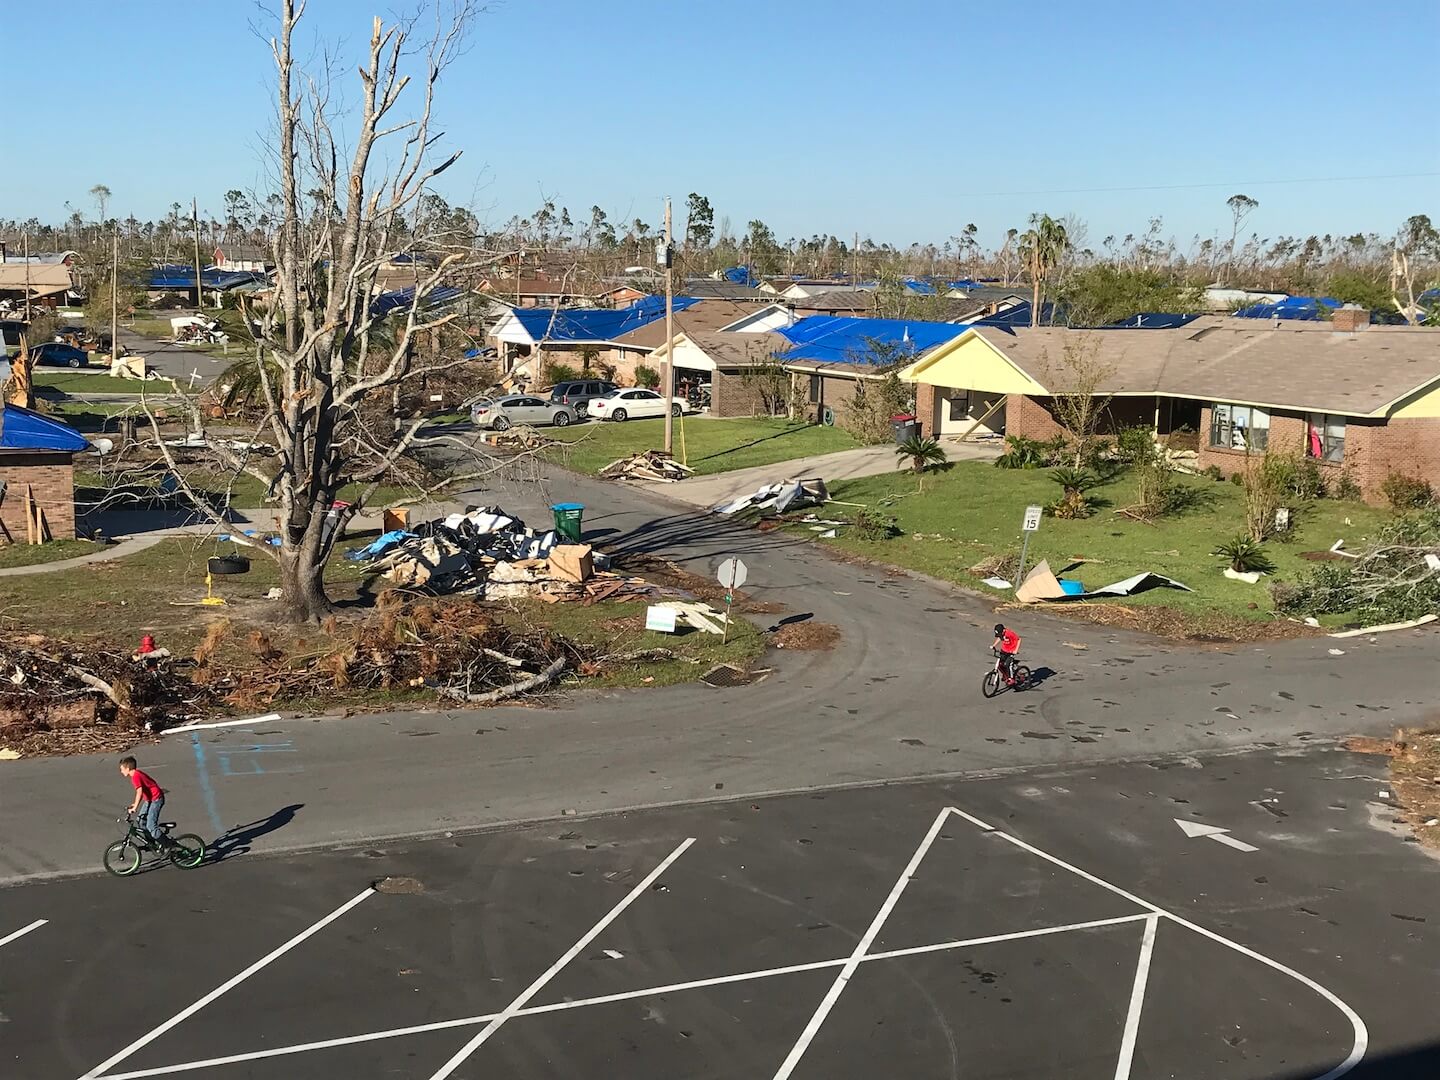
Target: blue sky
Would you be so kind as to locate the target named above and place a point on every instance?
(899, 121)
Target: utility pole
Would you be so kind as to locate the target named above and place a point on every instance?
(27, 278)
(667, 369)
(199, 287)
(855, 263)
(114, 299)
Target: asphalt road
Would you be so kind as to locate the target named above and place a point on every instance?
(898, 698)
(1053, 923)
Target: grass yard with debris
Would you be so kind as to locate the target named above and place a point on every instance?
(972, 511)
(23, 554)
(709, 445)
(97, 381)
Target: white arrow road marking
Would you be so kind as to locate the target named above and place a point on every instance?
(1214, 832)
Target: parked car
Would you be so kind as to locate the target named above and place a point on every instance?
(58, 354)
(578, 394)
(633, 404)
(498, 414)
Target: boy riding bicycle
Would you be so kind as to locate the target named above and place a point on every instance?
(148, 793)
(1007, 645)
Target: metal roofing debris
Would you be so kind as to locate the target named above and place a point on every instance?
(594, 324)
(837, 339)
(21, 429)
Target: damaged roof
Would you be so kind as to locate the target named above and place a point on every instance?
(23, 429)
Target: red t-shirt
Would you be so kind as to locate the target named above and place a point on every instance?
(1009, 643)
(146, 786)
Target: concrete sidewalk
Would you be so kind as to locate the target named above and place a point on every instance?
(708, 491)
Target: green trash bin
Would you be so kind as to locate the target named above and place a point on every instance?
(567, 520)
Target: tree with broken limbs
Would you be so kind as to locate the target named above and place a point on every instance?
(331, 363)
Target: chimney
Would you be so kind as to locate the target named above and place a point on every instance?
(1349, 318)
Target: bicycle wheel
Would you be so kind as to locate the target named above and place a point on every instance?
(991, 685)
(122, 858)
(1022, 677)
(186, 850)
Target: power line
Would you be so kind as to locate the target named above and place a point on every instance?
(1240, 185)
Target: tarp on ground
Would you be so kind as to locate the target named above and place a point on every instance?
(22, 429)
(594, 324)
(838, 339)
(1042, 584)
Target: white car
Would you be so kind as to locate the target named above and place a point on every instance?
(633, 404)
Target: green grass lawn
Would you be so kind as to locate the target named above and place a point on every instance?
(246, 491)
(98, 381)
(23, 554)
(708, 446)
(974, 510)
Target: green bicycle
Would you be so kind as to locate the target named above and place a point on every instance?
(125, 856)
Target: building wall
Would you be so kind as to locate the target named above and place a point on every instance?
(1374, 448)
(52, 480)
(927, 409)
(1034, 417)
(732, 395)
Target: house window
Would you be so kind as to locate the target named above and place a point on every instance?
(959, 405)
(1239, 427)
(814, 389)
(1325, 436)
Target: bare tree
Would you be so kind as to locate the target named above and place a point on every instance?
(1416, 241)
(332, 364)
(1241, 207)
(1083, 403)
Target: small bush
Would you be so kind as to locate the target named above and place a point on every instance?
(1073, 503)
(1021, 453)
(1347, 488)
(556, 373)
(1135, 444)
(1237, 479)
(1213, 472)
(1407, 492)
(647, 377)
(1306, 481)
(873, 526)
(1325, 590)
(1245, 556)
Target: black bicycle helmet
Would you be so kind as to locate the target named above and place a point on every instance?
(999, 629)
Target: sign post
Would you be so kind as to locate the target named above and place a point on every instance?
(1028, 526)
(731, 575)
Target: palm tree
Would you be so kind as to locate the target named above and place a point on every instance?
(1041, 249)
(923, 452)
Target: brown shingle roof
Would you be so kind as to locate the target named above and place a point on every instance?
(44, 279)
(698, 318)
(729, 349)
(1298, 365)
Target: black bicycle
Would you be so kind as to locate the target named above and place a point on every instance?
(125, 856)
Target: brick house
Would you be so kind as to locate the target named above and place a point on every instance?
(1354, 397)
(37, 459)
(741, 370)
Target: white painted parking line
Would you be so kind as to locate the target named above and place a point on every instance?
(23, 931)
(625, 995)
(268, 718)
(1137, 1000)
(535, 987)
(226, 986)
(862, 947)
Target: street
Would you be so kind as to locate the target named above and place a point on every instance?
(1055, 923)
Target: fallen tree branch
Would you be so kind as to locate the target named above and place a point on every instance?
(534, 682)
(96, 683)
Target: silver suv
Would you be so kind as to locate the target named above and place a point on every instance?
(577, 393)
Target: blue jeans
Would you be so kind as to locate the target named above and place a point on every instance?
(149, 817)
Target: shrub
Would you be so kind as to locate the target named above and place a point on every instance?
(1135, 444)
(1306, 480)
(922, 452)
(1073, 502)
(1407, 492)
(556, 373)
(1324, 590)
(1245, 556)
(1237, 479)
(1347, 488)
(1269, 481)
(874, 526)
(647, 377)
(867, 414)
(1021, 453)
(1213, 472)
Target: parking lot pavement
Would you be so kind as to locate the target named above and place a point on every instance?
(1045, 924)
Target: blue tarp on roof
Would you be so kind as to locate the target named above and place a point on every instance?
(920, 286)
(595, 324)
(741, 275)
(21, 429)
(836, 339)
(1304, 308)
(387, 302)
(1152, 320)
(183, 277)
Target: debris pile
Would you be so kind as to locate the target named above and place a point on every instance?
(456, 649)
(68, 699)
(647, 465)
(785, 496)
(523, 437)
(492, 555)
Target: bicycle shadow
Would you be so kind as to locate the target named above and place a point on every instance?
(238, 839)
